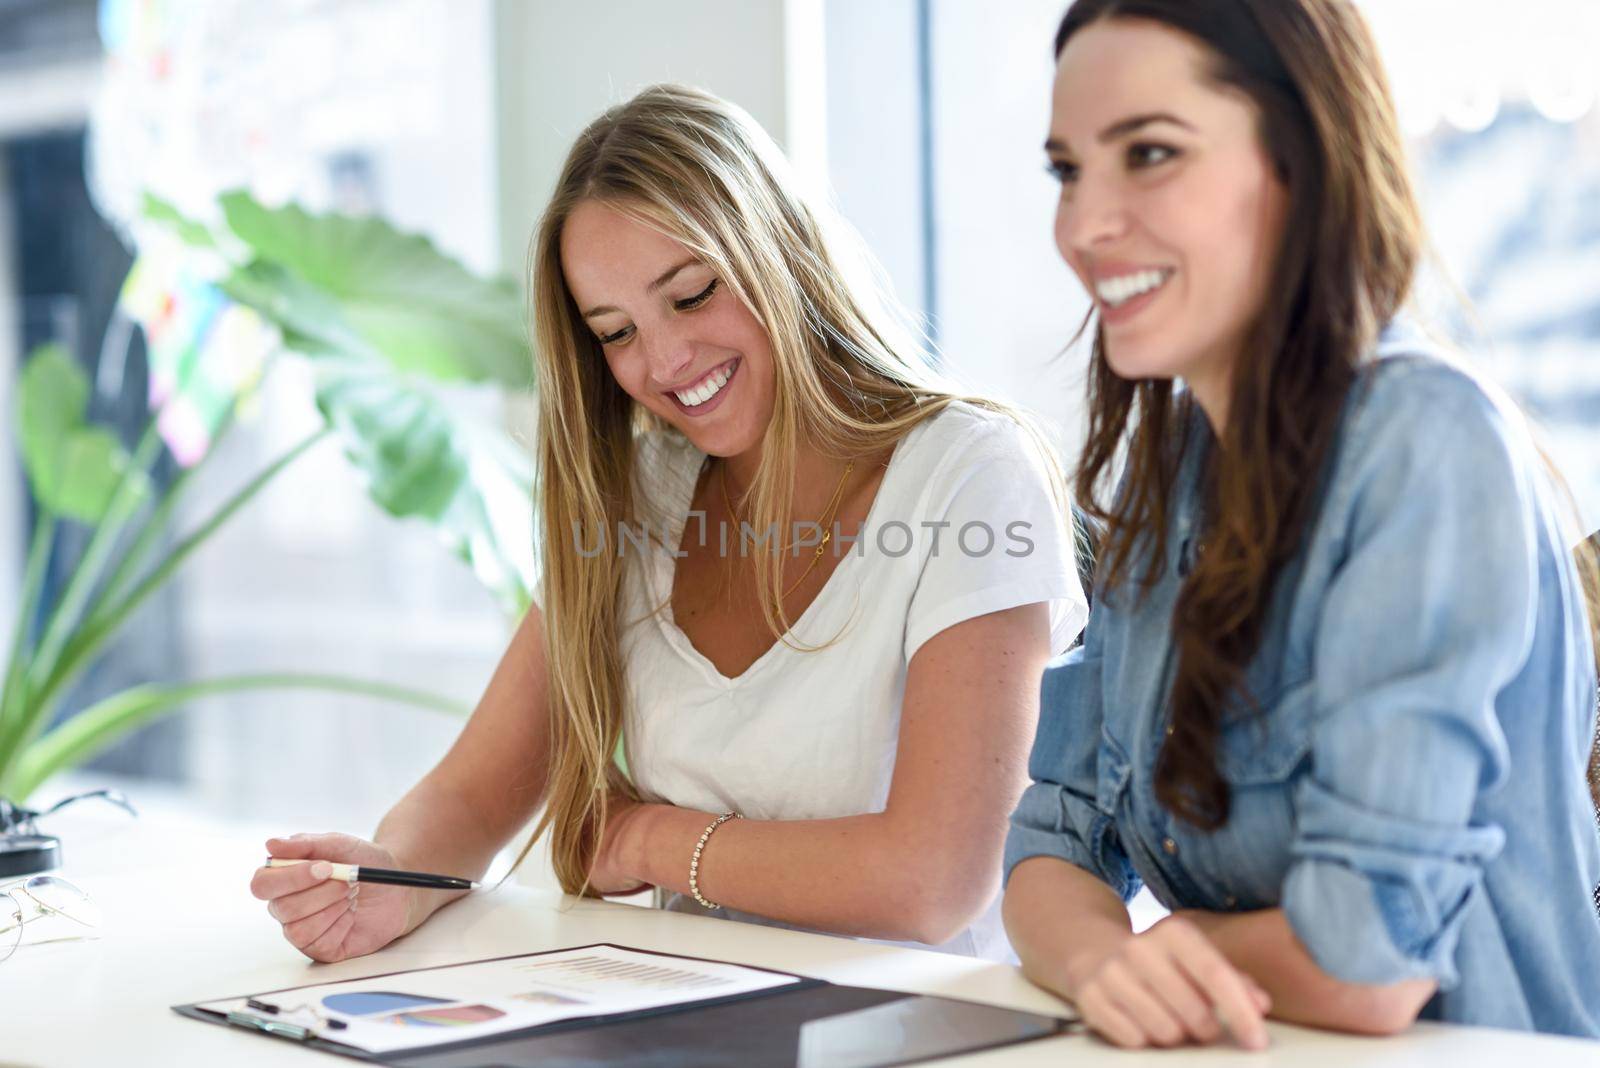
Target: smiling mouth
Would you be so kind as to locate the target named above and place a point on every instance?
(707, 387)
(1115, 292)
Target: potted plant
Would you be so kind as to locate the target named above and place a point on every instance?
(387, 323)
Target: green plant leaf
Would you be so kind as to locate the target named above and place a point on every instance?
(421, 460)
(312, 322)
(98, 726)
(73, 467)
(185, 229)
(53, 396)
(91, 463)
(407, 301)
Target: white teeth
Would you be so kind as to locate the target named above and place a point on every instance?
(1120, 290)
(708, 388)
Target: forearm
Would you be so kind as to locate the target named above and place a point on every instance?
(1062, 922)
(434, 829)
(867, 876)
(487, 787)
(1263, 945)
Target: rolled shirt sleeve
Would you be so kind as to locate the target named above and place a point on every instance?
(1429, 616)
(1059, 815)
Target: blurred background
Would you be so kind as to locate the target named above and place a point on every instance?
(449, 119)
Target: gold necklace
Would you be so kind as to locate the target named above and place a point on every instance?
(827, 522)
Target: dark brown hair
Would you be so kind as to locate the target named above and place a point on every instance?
(1351, 244)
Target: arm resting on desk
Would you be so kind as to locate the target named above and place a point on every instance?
(1062, 922)
(1263, 945)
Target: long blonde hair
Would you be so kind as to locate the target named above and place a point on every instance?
(850, 381)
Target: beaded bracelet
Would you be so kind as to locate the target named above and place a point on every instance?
(694, 862)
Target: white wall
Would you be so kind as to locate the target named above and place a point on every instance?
(1007, 305)
(874, 113)
(1004, 304)
(561, 64)
(444, 183)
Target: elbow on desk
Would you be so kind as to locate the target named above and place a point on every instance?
(931, 907)
(931, 927)
(1380, 1011)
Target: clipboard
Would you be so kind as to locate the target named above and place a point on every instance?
(806, 1023)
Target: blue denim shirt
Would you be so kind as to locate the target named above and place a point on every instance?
(1413, 794)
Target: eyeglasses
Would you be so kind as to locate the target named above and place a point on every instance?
(14, 819)
(58, 911)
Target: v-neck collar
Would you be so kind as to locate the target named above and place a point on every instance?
(664, 565)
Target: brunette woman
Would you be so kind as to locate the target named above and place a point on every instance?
(1338, 683)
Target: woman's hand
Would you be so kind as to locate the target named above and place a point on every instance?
(327, 919)
(1171, 986)
(612, 871)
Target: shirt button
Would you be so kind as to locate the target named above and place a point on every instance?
(1170, 729)
(1169, 847)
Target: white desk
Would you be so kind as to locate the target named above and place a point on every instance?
(202, 936)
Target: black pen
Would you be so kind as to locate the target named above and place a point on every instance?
(354, 873)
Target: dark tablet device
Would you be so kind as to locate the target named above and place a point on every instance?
(914, 1029)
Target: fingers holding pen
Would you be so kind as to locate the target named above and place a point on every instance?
(268, 884)
(303, 932)
(330, 945)
(303, 903)
(308, 883)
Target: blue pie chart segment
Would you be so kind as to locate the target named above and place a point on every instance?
(372, 1002)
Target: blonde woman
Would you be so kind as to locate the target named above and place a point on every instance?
(808, 587)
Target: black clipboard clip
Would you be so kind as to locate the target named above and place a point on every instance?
(281, 1028)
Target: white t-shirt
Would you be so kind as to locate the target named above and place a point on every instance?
(812, 735)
